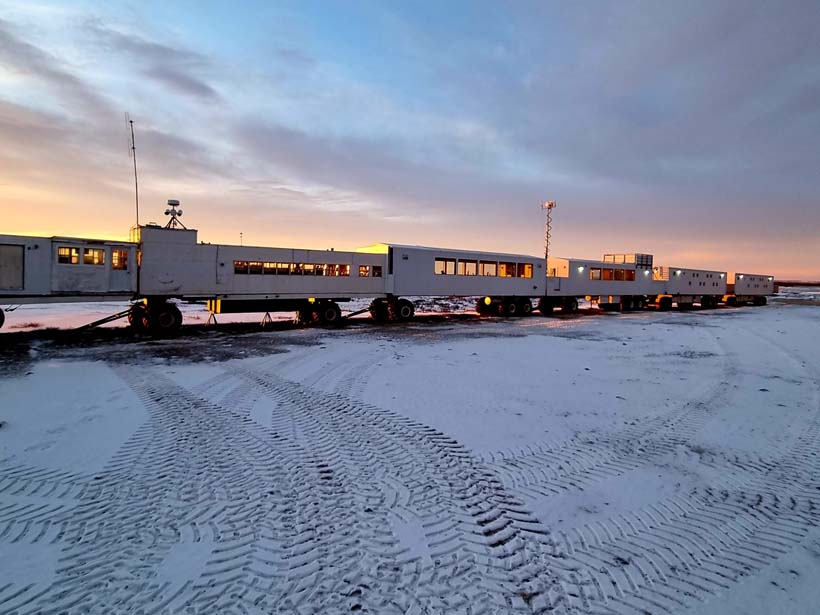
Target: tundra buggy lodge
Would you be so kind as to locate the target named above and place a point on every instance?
(164, 263)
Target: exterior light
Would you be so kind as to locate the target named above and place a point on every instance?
(311, 299)
(678, 272)
(580, 269)
(487, 301)
(722, 275)
(646, 272)
(740, 276)
(771, 279)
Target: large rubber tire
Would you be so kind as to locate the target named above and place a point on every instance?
(570, 305)
(731, 301)
(525, 307)
(405, 310)
(2, 318)
(378, 310)
(626, 304)
(640, 304)
(685, 307)
(136, 317)
(759, 301)
(508, 308)
(665, 304)
(545, 307)
(162, 318)
(480, 307)
(330, 313)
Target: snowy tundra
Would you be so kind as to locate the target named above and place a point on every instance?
(642, 463)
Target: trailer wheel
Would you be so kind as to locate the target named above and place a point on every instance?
(405, 310)
(508, 308)
(378, 310)
(570, 305)
(330, 313)
(2, 317)
(480, 307)
(731, 301)
(136, 317)
(545, 307)
(759, 301)
(640, 303)
(162, 318)
(626, 304)
(685, 307)
(665, 304)
(525, 307)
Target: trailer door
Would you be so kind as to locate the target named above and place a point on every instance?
(11, 267)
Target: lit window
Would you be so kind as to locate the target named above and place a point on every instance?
(629, 275)
(119, 259)
(445, 266)
(487, 268)
(506, 270)
(93, 256)
(240, 267)
(296, 269)
(68, 256)
(467, 267)
(607, 274)
(524, 270)
(619, 275)
(364, 271)
(269, 268)
(309, 269)
(255, 267)
(320, 269)
(344, 270)
(377, 271)
(282, 268)
(595, 273)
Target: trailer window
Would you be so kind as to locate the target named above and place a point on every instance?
(308, 269)
(445, 266)
(344, 270)
(320, 268)
(119, 259)
(629, 275)
(240, 267)
(467, 267)
(524, 270)
(487, 268)
(93, 256)
(282, 268)
(364, 271)
(506, 270)
(619, 275)
(255, 268)
(269, 268)
(377, 271)
(607, 274)
(68, 256)
(594, 273)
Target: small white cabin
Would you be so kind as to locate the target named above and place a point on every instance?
(66, 269)
(690, 282)
(750, 284)
(426, 271)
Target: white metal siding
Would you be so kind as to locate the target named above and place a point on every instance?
(12, 267)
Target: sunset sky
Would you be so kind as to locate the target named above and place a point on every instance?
(690, 130)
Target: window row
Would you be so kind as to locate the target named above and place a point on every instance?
(67, 255)
(619, 275)
(323, 269)
(452, 266)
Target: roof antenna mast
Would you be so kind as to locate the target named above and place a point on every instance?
(547, 207)
(132, 153)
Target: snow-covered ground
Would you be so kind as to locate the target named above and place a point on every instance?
(640, 463)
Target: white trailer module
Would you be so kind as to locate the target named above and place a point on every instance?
(685, 287)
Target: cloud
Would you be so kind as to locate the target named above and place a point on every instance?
(173, 67)
(32, 62)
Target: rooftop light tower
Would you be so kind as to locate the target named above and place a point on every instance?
(547, 207)
(175, 213)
